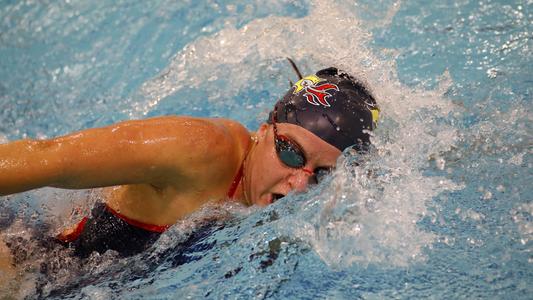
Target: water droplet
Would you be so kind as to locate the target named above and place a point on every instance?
(492, 73)
(441, 163)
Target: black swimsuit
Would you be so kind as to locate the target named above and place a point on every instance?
(105, 230)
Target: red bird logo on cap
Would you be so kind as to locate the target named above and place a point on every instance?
(315, 93)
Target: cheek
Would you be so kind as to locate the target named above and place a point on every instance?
(261, 178)
(268, 180)
(265, 172)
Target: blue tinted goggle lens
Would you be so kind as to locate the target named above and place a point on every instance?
(289, 153)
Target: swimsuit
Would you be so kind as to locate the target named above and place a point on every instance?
(106, 229)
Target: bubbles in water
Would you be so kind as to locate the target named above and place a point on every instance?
(487, 195)
(492, 73)
(523, 217)
(517, 159)
(472, 215)
(441, 163)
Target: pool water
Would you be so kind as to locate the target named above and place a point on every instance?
(441, 207)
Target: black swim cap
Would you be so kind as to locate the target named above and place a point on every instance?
(332, 105)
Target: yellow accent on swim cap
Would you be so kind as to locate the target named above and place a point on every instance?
(375, 115)
(300, 86)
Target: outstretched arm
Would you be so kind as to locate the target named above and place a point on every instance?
(155, 151)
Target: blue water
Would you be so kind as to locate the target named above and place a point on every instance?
(447, 212)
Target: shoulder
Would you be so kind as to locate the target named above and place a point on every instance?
(214, 133)
(189, 129)
(236, 132)
(215, 124)
(211, 150)
(191, 139)
(227, 139)
(206, 142)
(209, 132)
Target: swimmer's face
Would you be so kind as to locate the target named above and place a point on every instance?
(268, 178)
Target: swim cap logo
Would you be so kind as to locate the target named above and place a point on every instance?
(315, 93)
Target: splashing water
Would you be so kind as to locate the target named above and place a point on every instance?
(439, 208)
(390, 233)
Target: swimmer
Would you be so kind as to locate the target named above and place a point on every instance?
(157, 171)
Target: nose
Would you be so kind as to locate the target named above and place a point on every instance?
(299, 179)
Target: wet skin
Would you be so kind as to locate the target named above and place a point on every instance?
(266, 177)
(160, 170)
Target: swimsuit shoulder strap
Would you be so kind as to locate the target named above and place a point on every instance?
(145, 226)
(233, 188)
(238, 177)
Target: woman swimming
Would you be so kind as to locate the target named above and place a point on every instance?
(160, 170)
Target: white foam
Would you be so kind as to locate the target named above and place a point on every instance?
(62, 208)
(3, 138)
(236, 58)
(522, 216)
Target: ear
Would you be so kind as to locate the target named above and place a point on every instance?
(262, 130)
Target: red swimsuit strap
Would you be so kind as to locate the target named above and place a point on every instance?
(148, 227)
(76, 232)
(233, 188)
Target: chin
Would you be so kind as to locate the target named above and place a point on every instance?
(264, 200)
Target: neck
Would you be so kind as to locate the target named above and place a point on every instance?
(242, 194)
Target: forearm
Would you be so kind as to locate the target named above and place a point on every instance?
(23, 166)
(91, 158)
(79, 160)
(75, 161)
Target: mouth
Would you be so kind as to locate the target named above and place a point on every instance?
(276, 197)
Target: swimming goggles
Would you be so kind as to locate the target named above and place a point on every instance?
(292, 155)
